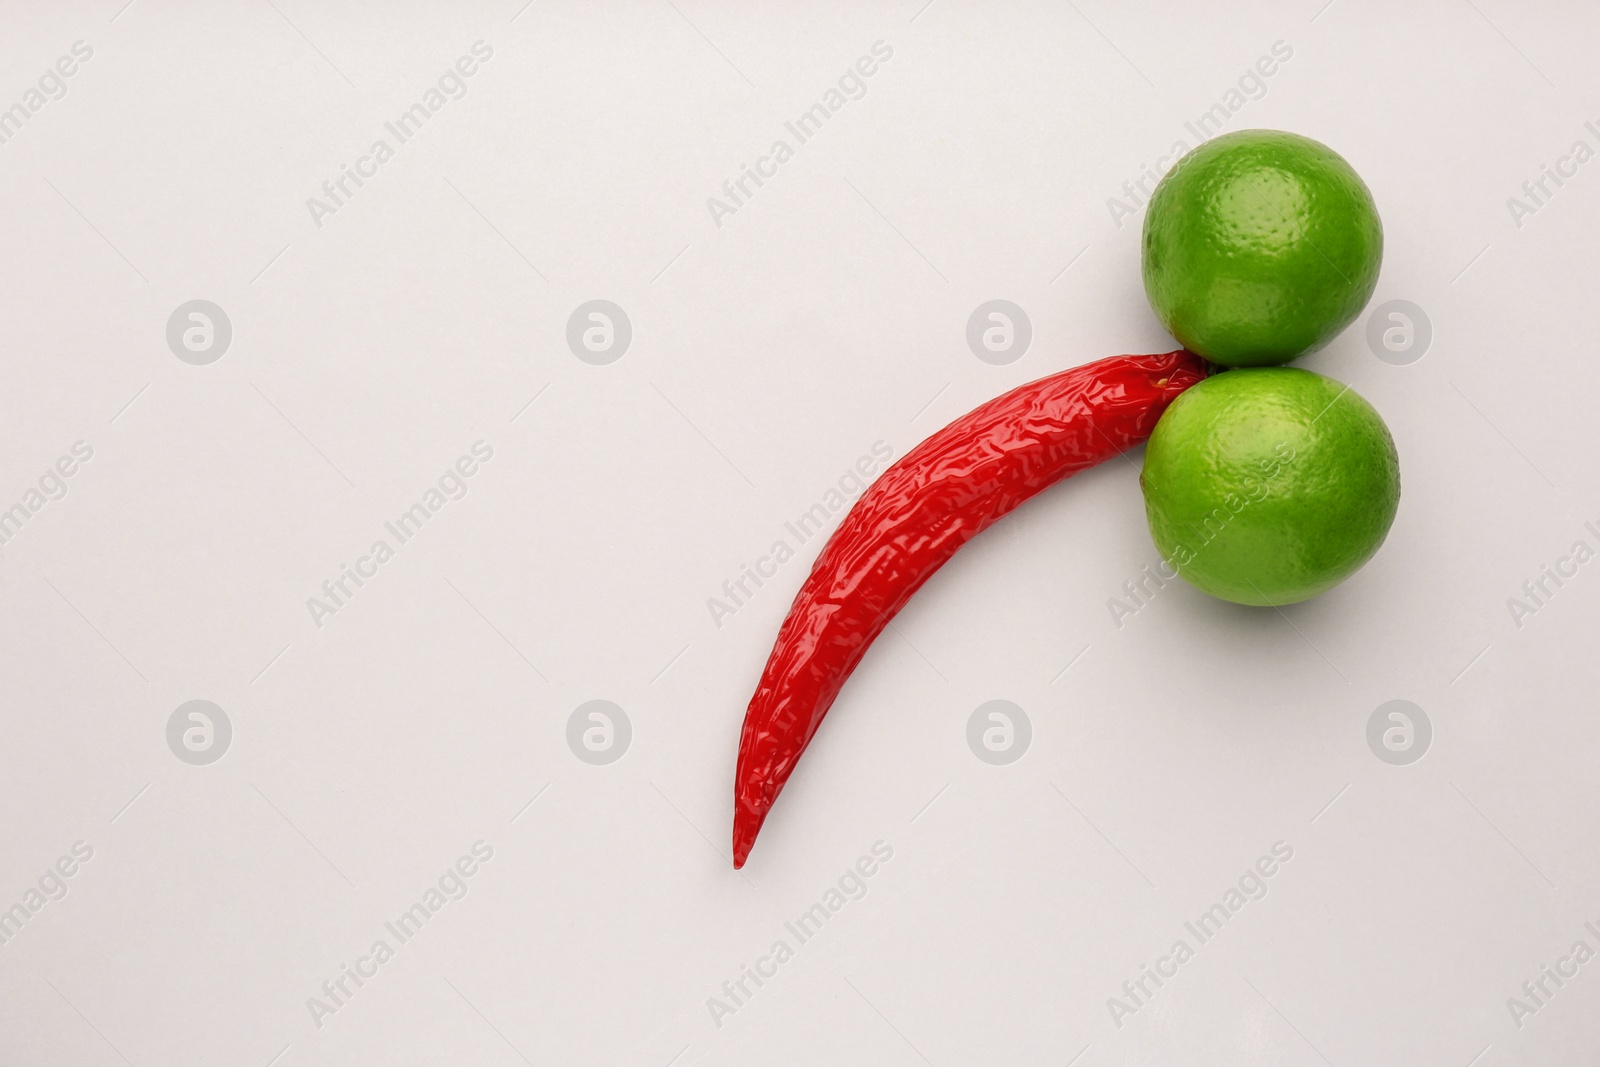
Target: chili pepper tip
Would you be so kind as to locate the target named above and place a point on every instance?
(744, 837)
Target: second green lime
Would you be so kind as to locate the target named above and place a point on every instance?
(1269, 485)
(1260, 246)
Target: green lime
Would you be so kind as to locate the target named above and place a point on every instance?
(1269, 485)
(1260, 246)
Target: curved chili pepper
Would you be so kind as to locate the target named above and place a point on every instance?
(911, 520)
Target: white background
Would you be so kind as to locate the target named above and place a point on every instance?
(768, 354)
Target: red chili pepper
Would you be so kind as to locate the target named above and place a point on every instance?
(911, 520)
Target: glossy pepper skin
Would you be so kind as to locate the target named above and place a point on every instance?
(911, 520)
